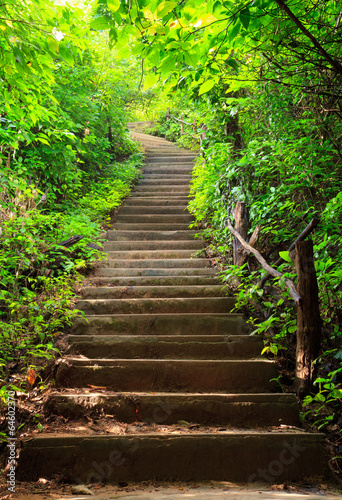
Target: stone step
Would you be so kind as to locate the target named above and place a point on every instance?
(168, 245)
(155, 305)
(162, 151)
(155, 272)
(159, 281)
(171, 188)
(154, 219)
(152, 375)
(181, 202)
(151, 226)
(156, 209)
(158, 262)
(229, 410)
(167, 346)
(145, 292)
(162, 170)
(154, 254)
(235, 456)
(161, 324)
(170, 159)
(172, 195)
(163, 183)
(161, 235)
(186, 178)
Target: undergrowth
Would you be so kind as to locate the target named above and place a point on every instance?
(38, 274)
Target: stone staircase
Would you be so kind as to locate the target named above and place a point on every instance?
(159, 337)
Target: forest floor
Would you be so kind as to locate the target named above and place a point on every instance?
(168, 491)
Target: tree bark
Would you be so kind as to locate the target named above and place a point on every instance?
(309, 228)
(241, 226)
(308, 318)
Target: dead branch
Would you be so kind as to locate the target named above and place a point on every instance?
(273, 272)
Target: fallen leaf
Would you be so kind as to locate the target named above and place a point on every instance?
(31, 376)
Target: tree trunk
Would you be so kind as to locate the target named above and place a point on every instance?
(241, 226)
(308, 318)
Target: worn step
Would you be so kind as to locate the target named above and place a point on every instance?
(154, 219)
(170, 159)
(232, 376)
(230, 410)
(172, 195)
(151, 306)
(153, 263)
(153, 281)
(134, 292)
(169, 189)
(163, 235)
(154, 272)
(167, 346)
(152, 226)
(235, 456)
(161, 324)
(156, 209)
(171, 170)
(150, 182)
(188, 245)
(155, 175)
(158, 201)
(153, 254)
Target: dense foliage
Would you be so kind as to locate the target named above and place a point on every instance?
(66, 162)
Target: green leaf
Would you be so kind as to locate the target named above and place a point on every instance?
(100, 23)
(113, 5)
(66, 55)
(206, 86)
(164, 8)
(285, 256)
(245, 17)
(52, 43)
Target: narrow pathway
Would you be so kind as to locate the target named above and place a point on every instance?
(167, 355)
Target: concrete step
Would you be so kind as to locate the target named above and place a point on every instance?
(159, 235)
(167, 346)
(153, 254)
(235, 456)
(168, 177)
(172, 195)
(153, 272)
(154, 159)
(155, 305)
(163, 150)
(171, 170)
(146, 375)
(170, 160)
(158, 262)
(229, 410)
(156, 209)
(169, 245)
(154, 218)
(152, 226)
(157, 201)
(145, 292)
(160, 281)
(175, 181)
(169, 189)
(161, 324)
